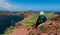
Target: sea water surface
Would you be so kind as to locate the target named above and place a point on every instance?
(6, 21)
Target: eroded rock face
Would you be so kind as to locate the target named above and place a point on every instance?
(49, 28)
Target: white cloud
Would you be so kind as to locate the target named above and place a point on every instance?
(5, 5)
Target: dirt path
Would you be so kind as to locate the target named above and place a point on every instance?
(19, 32)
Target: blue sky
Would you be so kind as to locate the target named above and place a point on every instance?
(23, 5)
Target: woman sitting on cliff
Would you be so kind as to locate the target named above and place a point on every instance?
(41, 19)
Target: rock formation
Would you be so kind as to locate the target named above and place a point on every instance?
(50, 27)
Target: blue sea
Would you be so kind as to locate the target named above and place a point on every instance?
(6, 21)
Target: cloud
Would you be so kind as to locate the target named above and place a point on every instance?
(5, 5)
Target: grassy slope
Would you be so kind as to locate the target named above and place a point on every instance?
(29, 20)
(50, 15)
(9, 30)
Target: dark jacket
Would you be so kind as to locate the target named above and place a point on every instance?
(41, 18)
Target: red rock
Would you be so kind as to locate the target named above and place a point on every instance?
(58, 33)
(19, 32)
(44, 34)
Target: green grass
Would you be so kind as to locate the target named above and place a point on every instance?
(30, 19)
(50, 15)
(9, 30)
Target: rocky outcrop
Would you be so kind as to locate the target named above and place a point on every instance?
(56, 18)
(50, 27)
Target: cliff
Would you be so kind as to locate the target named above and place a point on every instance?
(23, 14)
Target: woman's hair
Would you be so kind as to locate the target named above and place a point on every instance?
(41, 12)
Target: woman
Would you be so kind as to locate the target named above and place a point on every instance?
(41, 19)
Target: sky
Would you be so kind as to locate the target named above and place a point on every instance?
(35, 5)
